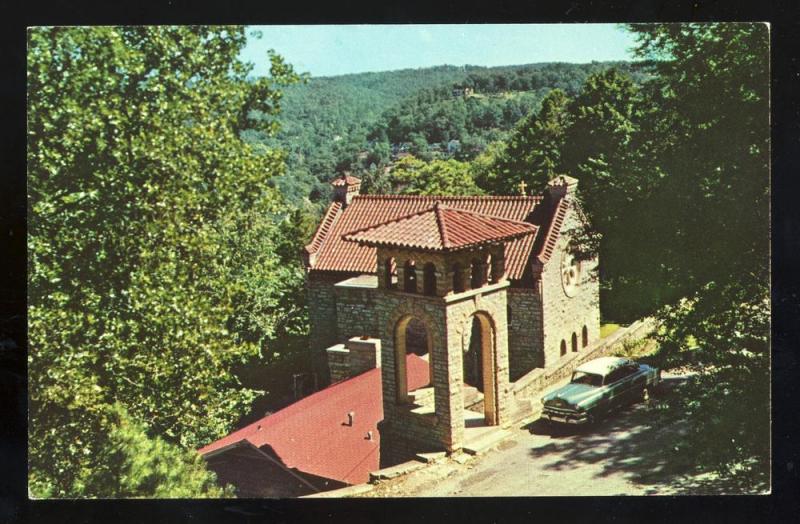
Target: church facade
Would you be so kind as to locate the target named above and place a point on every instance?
(483, 288)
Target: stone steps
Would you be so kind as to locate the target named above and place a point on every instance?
(481, 439)
(471, 395)
(425, 396)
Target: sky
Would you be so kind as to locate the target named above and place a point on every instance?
(328, 50)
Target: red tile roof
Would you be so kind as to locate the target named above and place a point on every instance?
(312, 434)
(348, 180)
(334, 254)
(324, 227)
(441, 228)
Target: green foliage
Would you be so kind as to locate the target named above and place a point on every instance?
(674, 177)
(349, 122)
(714, 144)
(533, 151)
(129, 464)
(411, 176)
(140, 196)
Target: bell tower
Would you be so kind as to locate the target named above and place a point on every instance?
(444, 269)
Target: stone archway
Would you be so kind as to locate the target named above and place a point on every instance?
(401, 350)
(480, 324)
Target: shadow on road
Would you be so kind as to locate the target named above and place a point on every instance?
(641, 442)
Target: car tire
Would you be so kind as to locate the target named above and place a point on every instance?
(645, 394)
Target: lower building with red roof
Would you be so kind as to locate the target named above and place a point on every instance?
(324, 441)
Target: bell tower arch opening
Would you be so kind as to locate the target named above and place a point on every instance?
(412, 337)
(479, 362)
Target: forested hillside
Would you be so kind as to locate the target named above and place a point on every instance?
(354, 122)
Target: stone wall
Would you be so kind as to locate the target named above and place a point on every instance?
(322, 321)
(565, 315)
(532, 385)
(355, 312)
(524, 332)
(406, 435)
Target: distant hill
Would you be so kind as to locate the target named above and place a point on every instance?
(349, 122)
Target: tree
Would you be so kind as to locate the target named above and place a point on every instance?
(533, 151)
(128, 463)
(712, 132)
(137, 181)
(440, 177)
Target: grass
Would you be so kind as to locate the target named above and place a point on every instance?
(608, 329)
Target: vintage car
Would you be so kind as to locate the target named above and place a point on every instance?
(599, 387)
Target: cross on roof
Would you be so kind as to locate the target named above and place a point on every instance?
(522, 186)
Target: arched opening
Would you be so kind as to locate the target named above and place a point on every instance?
(489, 265)
(563, 347)
(584, 337)
(429, 279)
(413, 362)
(410, 277)
(390, 273)
(478, 273)
(574, 342)
(458, 278)
(473, 363)
(479, 364)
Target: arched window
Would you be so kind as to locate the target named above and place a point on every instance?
(574, 342)
(563, 347)
(458, 278)
(489, 264)
(478, 273)
(390, 273)
(429, 279)
(410, 277)
(585, 337)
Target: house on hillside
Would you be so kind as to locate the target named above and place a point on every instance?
(465, 92)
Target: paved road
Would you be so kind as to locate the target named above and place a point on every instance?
(631, 453)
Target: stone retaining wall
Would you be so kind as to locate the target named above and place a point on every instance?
(533, 384)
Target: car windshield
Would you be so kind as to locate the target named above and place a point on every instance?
(590, 379)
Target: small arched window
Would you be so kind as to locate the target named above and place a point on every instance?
(410, 277)
(563, 347)
(574, 342)
(429, 279)
(478, 273)
(390, 273)
(458, 278)
(584, 337)
(489, 264)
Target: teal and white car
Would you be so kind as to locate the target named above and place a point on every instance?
(599, 387)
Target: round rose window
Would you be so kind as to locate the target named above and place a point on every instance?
(570, 274)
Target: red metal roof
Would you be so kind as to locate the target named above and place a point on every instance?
(312, 434)
(349, 180)
(335, 254)
(441, 228)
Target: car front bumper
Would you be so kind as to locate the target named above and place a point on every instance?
(566, 418)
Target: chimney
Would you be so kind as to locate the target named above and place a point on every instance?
(357, 355)
(365, 354)
(345, 187)
(562, 186)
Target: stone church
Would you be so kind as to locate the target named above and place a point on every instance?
(482, 288)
